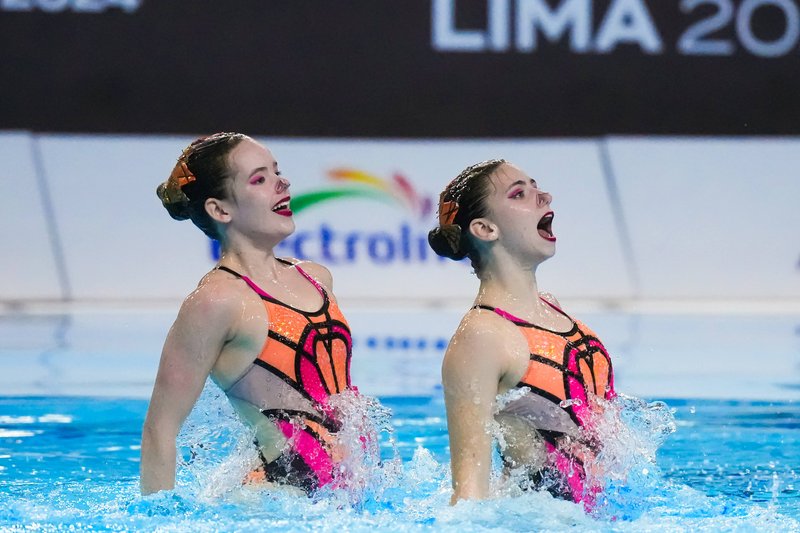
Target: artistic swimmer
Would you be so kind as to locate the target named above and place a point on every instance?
(267, 330)
(515, 338)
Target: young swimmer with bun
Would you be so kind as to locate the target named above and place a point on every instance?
(267, 330)
(515, 338)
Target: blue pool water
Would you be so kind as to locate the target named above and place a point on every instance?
(71, 464)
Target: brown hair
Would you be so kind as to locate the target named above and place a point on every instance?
(462, 201)
(202, 172)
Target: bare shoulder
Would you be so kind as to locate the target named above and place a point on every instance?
(479, 327)
(316, 271)
(483, 339)
(550, 298)
(217, 299)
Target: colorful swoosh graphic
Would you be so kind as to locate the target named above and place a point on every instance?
(360, 184)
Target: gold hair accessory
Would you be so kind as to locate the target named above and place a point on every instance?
(180, 176)
(448, 209)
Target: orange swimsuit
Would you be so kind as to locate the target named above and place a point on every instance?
(565, 370)
(305, 360)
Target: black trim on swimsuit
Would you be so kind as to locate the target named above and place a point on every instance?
(290, 415)
(519, 322)
(328, 339)
(290, 469)
(566, 373)
(323, 309)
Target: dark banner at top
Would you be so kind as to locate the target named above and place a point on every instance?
(411, 68)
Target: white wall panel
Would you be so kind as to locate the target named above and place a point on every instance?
(708, 218)
(712, 218)
(29, 268)
(119, 242)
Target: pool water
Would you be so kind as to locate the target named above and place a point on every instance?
(71, 464)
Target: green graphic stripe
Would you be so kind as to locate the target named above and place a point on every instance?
(306, 200)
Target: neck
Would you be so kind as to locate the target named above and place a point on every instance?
(257, 263)
(511, 286)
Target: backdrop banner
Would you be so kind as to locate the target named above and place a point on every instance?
(418, 68)
(649, 218)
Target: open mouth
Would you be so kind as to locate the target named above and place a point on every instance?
(545, 227)
(282, 207)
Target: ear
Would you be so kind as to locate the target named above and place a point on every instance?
(483, 230)
(217, 210)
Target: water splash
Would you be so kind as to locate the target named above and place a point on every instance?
(618, 444)
(216, 448)
(362, 474)
(631, 431)
(80, 490)
(218, 451)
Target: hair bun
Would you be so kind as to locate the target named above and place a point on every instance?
(446, 241)
(177, 205)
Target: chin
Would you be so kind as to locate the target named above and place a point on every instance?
(281, 231)
(290, 227)
(548, 251)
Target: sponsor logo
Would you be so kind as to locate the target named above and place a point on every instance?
(353, 183)
(377, 244)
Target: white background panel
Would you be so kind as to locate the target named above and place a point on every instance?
(29, 268)
(119, 242)
(708, 218)
(712, 218)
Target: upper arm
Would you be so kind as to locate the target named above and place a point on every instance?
(471, 372)
(193, 344)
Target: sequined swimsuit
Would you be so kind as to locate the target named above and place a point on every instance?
(564, 370)
(305, 360)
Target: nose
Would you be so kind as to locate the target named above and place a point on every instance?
(544, 198)
(282, 185)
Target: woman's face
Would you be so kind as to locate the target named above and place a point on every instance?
(259, 203)
(521, 213)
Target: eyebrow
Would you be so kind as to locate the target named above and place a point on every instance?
(261, 169)
(520, 182)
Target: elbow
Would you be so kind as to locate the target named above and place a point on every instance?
(157, 440)
(159, 428)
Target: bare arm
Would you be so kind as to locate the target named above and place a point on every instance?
(473, 367)
(192, 347)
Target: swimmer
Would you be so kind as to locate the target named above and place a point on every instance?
(515, 338)
(267, 330)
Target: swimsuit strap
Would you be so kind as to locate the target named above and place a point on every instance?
(520, 322)
(262, 292)
(551, 304)
(513, 318)
(314, 282)
(504, 314)
(258, 290)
